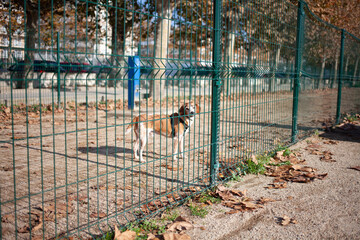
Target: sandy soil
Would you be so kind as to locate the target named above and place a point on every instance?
(323, 209)
(83, 161)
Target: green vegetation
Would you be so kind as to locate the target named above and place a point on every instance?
(108, 236)
(351, 117)
(142, 229)
(206, 197)
(197, 210)
(253, 168)
(170, 215)
(258, 167)
(236, 176)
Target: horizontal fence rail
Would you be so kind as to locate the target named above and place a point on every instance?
(112, 111)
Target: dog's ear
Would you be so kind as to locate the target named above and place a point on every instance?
(197, 108)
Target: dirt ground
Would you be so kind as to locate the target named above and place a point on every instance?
(75, 169)
(323, 209)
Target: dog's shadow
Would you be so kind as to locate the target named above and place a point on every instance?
(106, 150)
(117, 152)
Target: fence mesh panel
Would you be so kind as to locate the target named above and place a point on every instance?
(86, 86)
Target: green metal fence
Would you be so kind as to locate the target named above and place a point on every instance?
(262, 74)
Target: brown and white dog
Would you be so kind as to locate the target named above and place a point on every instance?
(173, 126)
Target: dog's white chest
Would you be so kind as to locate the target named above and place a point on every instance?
(186, 130)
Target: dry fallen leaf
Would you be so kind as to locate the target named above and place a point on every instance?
(8, 218)
(151, 236)
(277, 185)
(285, 220)
(24, 229)
(171, 168)
(179, 226)
(95, 215)
(238, 193)
(327, 157)
(253, 158)
(37, 227)
(355, 168)
(264, 200)
(279, 156)
(314, 145)
(232, 211)
(249, 205)
(127, 235)
(314, 151)
(176, 236)
(117, 233)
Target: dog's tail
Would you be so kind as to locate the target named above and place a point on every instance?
(129, 128)
(131, 125)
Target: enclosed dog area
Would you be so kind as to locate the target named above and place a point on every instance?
(75, 166)
(196, 88)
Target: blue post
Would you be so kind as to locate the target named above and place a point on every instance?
(134, 80)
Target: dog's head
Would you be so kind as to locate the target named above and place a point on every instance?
(189, 109)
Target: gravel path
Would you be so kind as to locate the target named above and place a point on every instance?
(323, 209)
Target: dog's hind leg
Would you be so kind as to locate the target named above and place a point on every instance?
(143, 138)
(142, 146)
(136, 146)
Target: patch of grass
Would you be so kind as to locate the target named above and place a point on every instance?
(287, 152)
(236, 176)
(141, 229)
(151, 225)
(280, 148)
(205, 197)
(259, 168)
(281, 163)
(197, 210)
(253, 168)
(171, 215)
(108, 236)
(226, 184)
(351, 117)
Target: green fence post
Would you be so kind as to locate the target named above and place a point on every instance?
(341, 64)
(216, 89)
(298, 58)
(58, 66)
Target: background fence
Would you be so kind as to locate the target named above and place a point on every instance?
(264, 73)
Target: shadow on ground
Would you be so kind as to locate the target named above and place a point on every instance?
(347, 132)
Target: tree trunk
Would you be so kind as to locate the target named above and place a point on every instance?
(230, 57)
(318, 83)
(165, 11)
(248, 64)
(346, 66)
(26, 75)
(335, 72)
(116, 48)
(355, 70)
(272, 80)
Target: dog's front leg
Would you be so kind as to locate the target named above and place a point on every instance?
(181, 143)
(175, 147)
